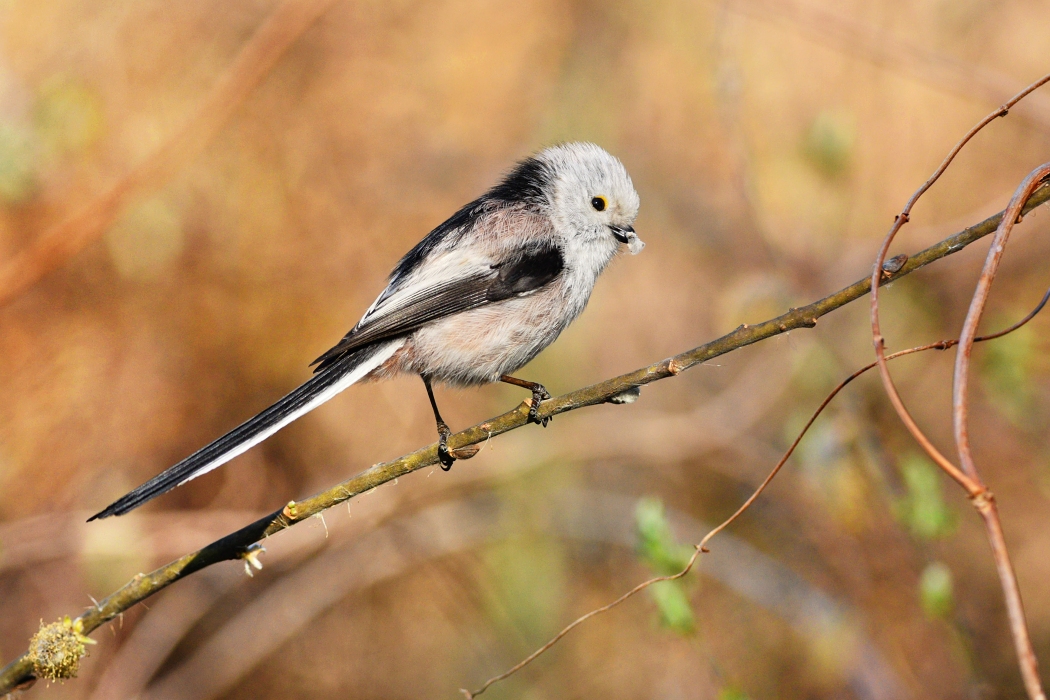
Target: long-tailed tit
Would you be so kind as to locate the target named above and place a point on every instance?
(475, 300)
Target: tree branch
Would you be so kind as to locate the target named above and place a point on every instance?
(243, 543)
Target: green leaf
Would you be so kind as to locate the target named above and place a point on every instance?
(936, 590)
(658, 548)
(673, 605)
(656, 543)
(923, 509)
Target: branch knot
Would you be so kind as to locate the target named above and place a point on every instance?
(983, 500)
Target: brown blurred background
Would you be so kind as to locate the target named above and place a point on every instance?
(771, 143)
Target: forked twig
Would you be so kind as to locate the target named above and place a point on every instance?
(702, 546)
(972, 487)
(968, 477)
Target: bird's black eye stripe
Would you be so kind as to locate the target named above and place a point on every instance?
(598, 203)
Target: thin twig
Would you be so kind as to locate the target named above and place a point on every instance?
(968, 477)
(236, 544)
(973, 488)
(960, 413)
(64, 240)
(579, 621)
(702, 546)
(960, 382)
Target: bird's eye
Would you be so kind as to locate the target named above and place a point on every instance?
(598, 203)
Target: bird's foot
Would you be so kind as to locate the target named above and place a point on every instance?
(539, 393)
(447, 456)
(444, 456)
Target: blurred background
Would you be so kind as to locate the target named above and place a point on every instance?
(771, 143)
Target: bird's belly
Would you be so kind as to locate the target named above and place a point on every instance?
(478, 346)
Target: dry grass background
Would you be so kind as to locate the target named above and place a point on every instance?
(771, 148)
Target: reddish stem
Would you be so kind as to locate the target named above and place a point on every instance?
(985, 503)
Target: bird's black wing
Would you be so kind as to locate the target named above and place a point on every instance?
(522, 271)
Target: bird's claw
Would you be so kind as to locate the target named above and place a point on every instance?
(539, 393)
(444, 456)
(447, 456)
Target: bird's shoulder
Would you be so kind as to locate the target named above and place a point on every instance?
(482, 235)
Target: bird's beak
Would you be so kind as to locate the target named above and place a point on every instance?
(622, 234)
(626, 234)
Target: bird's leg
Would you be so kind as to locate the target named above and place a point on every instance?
(539, 393)
(444, 456)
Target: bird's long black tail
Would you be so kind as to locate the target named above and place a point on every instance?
(311, 394)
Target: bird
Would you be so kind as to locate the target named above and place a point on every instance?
(474, 301)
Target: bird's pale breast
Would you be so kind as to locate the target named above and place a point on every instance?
(478, 346)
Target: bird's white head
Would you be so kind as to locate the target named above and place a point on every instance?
(591, 196)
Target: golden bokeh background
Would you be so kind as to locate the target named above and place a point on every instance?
(771, 142)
